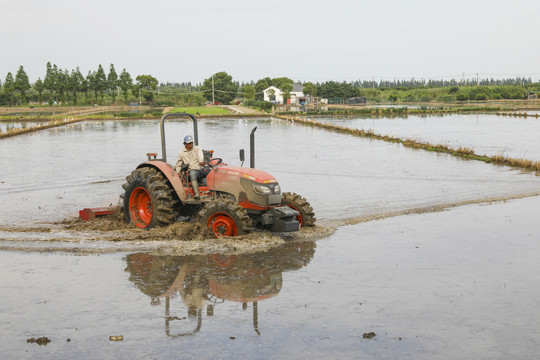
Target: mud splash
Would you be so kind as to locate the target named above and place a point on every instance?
(112, 234)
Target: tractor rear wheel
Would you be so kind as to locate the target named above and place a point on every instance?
(149, 200)
(300, 204)
(224, 217)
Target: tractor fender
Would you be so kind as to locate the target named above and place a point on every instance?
(170, 174)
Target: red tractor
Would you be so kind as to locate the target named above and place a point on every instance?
(233, 200)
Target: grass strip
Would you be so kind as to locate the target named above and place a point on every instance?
(517, 114)
(200, 110)
(51, 124)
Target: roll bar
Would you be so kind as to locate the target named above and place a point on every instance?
(162, 130)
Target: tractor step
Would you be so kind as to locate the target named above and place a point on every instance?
(90, 214)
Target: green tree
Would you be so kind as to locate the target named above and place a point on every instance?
(39, 87)
(100, 82)
(76, 84)
(249, 92)
(112, 82)
(9, 87)
(91, 82)
(22, 84)
(261, 85)
(125, 83)
(283, 83)
(335, 90)
(310, 89)
(146, 85)
(224, 88)
(50, 81)
(62, 85)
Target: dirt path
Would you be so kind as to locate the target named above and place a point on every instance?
(239, 109)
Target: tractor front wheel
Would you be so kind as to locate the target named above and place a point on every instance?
(300, 204)
(224, 217)
(149, 200)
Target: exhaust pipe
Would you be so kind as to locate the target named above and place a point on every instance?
(252, 148)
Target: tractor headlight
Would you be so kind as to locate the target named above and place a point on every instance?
(277, 189)
(262, 189)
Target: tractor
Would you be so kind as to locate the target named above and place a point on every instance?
(233, 200)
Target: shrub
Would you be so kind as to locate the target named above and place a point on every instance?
(517, 95)
(481, 96)
(409, 98)
(263, 105)
(447, 98)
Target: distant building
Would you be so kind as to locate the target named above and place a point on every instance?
(357, 100)
(532, 97)
(297, 94)
(275, 95)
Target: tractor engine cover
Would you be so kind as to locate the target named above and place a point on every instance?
(284, 219)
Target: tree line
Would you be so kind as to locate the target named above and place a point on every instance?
(67, 87)
(99, 87)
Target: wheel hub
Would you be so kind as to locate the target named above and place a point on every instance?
(140, 207)
(222, 225)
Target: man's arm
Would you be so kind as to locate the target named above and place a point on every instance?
(179, 163)
(200, 155)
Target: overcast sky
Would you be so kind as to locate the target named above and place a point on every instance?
(310, 40)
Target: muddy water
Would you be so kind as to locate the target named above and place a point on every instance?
(485, 134)
(461, 282)
(457, 280)
(57, 172)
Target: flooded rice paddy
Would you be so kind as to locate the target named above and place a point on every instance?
(416, 255)
(514, 137)
(6, 126)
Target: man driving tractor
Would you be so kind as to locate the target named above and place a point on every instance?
(192, 157)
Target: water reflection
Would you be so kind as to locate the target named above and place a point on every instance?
(202, 282)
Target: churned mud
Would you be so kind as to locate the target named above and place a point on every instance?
(40, 341)
(112, 234)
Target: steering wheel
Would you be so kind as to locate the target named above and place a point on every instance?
(215, 162)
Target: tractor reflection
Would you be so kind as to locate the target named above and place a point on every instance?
(203, 281)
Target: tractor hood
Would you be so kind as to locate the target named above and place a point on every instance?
(256, 175)
(252, 188)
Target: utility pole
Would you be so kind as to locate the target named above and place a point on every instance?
(213, 100)
(477, 80)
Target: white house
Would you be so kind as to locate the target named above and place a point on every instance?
(275, 95)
